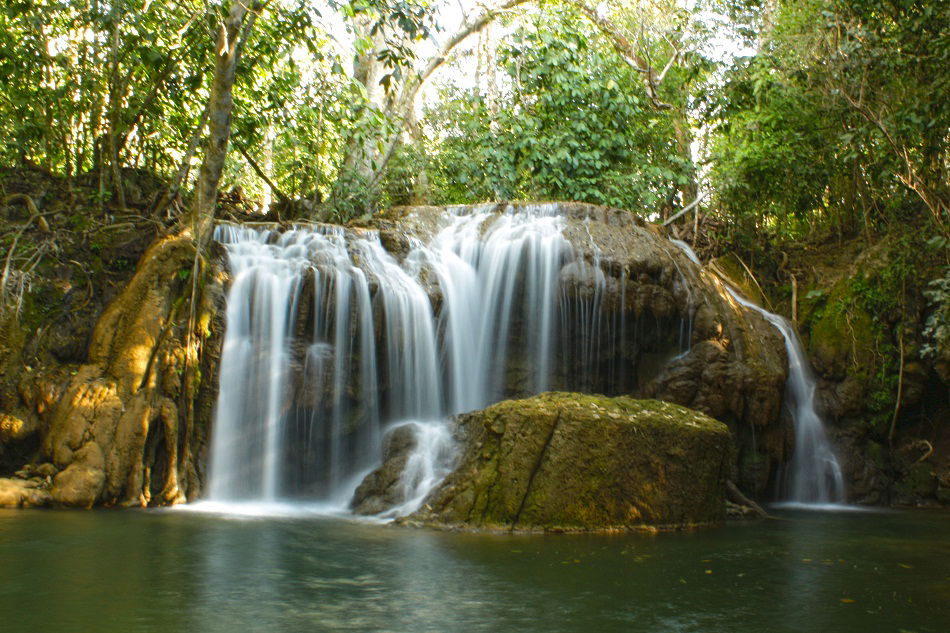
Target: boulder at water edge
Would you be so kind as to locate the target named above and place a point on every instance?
(572, 462)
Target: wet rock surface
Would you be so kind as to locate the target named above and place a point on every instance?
(24, 493)
(381, 490)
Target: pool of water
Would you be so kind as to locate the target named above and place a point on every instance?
(183, 571)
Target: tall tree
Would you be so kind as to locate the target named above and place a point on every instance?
(231, 36)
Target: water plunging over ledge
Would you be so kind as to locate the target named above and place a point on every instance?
(330, 339)
(814, 476)
(331, 342)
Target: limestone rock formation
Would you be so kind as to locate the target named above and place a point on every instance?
(381, 489)
(23, 493)
(120, 433)
(563, 461)
(118, 429)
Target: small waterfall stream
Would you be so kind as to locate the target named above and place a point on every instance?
(814, 475)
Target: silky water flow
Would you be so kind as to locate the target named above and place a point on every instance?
(814, 475)
(331, 342)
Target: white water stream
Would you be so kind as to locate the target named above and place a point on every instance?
(309, 407)
(814, 475)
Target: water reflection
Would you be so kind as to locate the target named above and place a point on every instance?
(166, 571)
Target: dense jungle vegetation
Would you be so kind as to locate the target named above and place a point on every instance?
(778, 130)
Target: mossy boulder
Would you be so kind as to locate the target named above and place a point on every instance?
(572, 462)
(918, 482)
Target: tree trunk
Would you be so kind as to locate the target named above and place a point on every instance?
(361, 157)
(231, 38)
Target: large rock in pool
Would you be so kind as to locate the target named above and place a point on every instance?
(564, 461)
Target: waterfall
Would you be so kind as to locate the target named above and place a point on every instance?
(331, 341)
(814, 475)
(253, 378)
(429, 461)
(492, 271)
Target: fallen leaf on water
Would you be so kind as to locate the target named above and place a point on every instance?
(847, 600)
(904, 566)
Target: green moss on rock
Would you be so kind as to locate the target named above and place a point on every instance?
(840, 334)
(572, 462)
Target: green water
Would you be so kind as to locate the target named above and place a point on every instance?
(180, 571)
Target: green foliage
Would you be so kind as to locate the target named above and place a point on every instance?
(868, 324)
(575, 124)
(82, 81)
(839, 122)
(769, 154)
(96, 88)
(937, 330)
(882, 291)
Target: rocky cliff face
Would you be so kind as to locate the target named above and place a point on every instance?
(128, 425)
(97, 403)
(883, 380)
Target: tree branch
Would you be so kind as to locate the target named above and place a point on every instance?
(260, 173)
(685, 209)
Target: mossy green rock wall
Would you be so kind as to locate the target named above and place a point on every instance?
(564, 461)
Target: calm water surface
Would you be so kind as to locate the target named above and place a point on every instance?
(182, 571)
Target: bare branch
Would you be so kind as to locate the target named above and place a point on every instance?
(685, 210)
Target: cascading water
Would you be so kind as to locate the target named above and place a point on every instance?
(331, 340)
(256, 349)
(814, 475)
(430, 460)
(488, 280)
